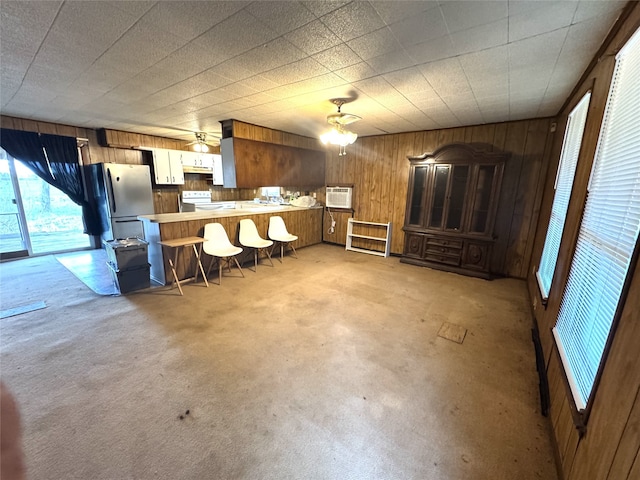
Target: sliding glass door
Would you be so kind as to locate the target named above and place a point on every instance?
(37, 218)
(14, 237)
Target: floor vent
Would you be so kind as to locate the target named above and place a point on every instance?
(452, 332)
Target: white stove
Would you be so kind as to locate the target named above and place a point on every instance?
(197, 200)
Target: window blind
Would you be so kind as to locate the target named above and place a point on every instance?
(563, 184)
(608, 233)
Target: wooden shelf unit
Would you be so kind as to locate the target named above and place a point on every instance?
(386, 239)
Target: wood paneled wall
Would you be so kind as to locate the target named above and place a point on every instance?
(268, 135)
(378, 169)
(610, 448)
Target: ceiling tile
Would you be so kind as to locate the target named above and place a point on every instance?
(313, 38)
(446, 77)
(419, 28)
(420, 97)
(390, 62)
(488, 67)
(194, 86)
(337, 57)
(583, 39)
(137, 8)
(409, 80)
(539, 17)
(280, 16)
(258, 83)
(390, 13)
(188, 20)
(234, 69)
(269, 56)
(353, 20)
(296, 71)
(463, 15)
(480, 38)
(431, 50)
(140, 48)
(322, 8)
(239, 33)
(609, 11)
(356, 72)
(82, 26)
(375, 43)
(374, 86)
(545, 47)
(27, 23)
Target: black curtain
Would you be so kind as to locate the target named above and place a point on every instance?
(55, 160)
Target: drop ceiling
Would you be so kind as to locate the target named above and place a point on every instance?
(171, 68)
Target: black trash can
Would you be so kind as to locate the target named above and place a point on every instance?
(128, 262)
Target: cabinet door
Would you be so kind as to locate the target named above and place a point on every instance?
(483, 201)
(161, 166)
(175, 167)
(417, 196)
(456, 198)
(438, 199)
(217, 169)
(186, 158)
(205, 160)
(414, 245)
(475, 255)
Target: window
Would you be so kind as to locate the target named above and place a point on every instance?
(564, 183)
(608, 233)
(270, 192)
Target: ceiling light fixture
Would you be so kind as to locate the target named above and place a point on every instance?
(339, 135)
(200, 144)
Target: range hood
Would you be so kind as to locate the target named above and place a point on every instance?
(198, 169)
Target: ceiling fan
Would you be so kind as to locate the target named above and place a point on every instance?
(200, 143)
(341, 118)
(338, 135)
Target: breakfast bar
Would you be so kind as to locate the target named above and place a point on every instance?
(306, 223)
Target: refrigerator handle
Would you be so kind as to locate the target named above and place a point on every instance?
(113, 197)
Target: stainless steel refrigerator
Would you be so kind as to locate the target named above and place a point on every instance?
(121, 192)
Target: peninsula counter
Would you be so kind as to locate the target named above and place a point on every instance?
(306, 223)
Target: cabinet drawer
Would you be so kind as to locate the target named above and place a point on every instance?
(439, 250)
(443, 242)
(444, 259)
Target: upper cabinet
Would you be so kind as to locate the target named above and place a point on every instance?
(451, 207)
(167, 167)
(203, 163)
(250, 164)
(254, 156)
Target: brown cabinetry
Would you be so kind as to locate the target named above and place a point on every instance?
(250, 164)
(451, 206)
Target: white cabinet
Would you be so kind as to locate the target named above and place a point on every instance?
(167, 167)
(204, 163)
(194, 162)
(217, 169)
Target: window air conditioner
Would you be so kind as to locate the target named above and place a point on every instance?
(339, 197)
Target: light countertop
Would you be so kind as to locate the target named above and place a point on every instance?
(206, 214)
